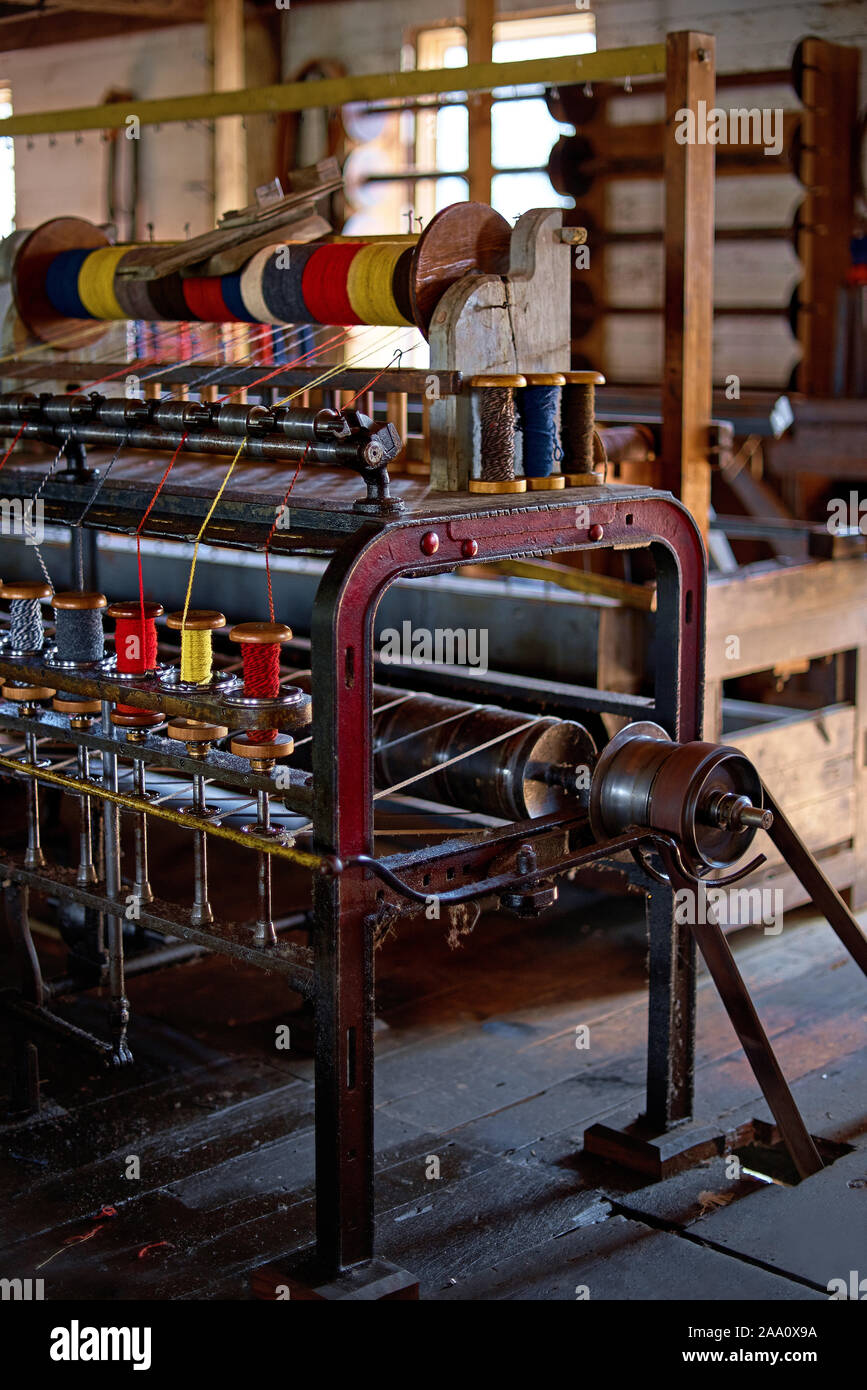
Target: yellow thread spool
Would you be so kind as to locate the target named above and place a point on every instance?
(96, 282)
(196, 653)
(369, 283)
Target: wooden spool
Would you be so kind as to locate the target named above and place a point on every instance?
(552, 482)
(592, 478)
(461, 238)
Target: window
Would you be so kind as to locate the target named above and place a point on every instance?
(7, 170)
(522, 129)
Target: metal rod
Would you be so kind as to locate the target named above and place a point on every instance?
(637, 61)
(33, 858)
(141, 884)
(86, 873)
(324, 864)
(201, 913)
(265, 935)
(119, 1009)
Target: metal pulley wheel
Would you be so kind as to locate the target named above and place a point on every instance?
(707, 795)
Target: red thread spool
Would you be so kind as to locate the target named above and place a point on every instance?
(135, 640)
(260, 651)
(204, 297)
(323, 283)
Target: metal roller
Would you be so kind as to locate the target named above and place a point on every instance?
(708, 795)
(528, 772)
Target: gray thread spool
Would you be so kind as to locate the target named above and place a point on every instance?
(497, 431)
(26, 633)
(79, 639)
(25, 625)
(79, 636)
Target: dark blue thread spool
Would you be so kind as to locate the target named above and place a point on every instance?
(538, 411)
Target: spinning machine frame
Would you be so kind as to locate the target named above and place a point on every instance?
(372, 541)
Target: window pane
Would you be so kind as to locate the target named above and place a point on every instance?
(452, 143)
(450, 191)
(512, 194)
(522, 133)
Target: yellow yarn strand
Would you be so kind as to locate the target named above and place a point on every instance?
(96, 282)
(204, 526)
(326, 376)
(196, 655)
(369, 284)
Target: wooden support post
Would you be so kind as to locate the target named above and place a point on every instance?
(227, 56)
(480, 40)
(689, 232)
(859, 838)
(830, 96)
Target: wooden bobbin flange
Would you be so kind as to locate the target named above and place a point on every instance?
(32, 259)
(551, 481)
(262, 753)
(78, 602)
(197, 734)
(77, 705)
(583, 379)
(131, 608)
(506, 380)
(197, 620)
(500, 485)
(24, 589)
(129, 718)
(462, 238)
(24, 694)
(514, 379)
(261, 634)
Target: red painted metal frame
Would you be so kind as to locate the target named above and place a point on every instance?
(358, 575)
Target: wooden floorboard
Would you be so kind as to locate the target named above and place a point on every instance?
(476, 1068)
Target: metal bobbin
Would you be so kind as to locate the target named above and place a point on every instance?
(497, 422)
(554, 480)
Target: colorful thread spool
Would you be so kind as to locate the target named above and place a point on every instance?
(370, 284)
(78, 643)
(538, 409)
(196, 650)
(281, 283)
(251, 287)
(26, 630)
(497, 433)
(260, 651)
(96, 282)
(204, 298)
(135, 644)
(61, 283)
(231, 285)
(324, 283)
(578, 427)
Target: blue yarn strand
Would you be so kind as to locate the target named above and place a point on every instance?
(538, 408)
